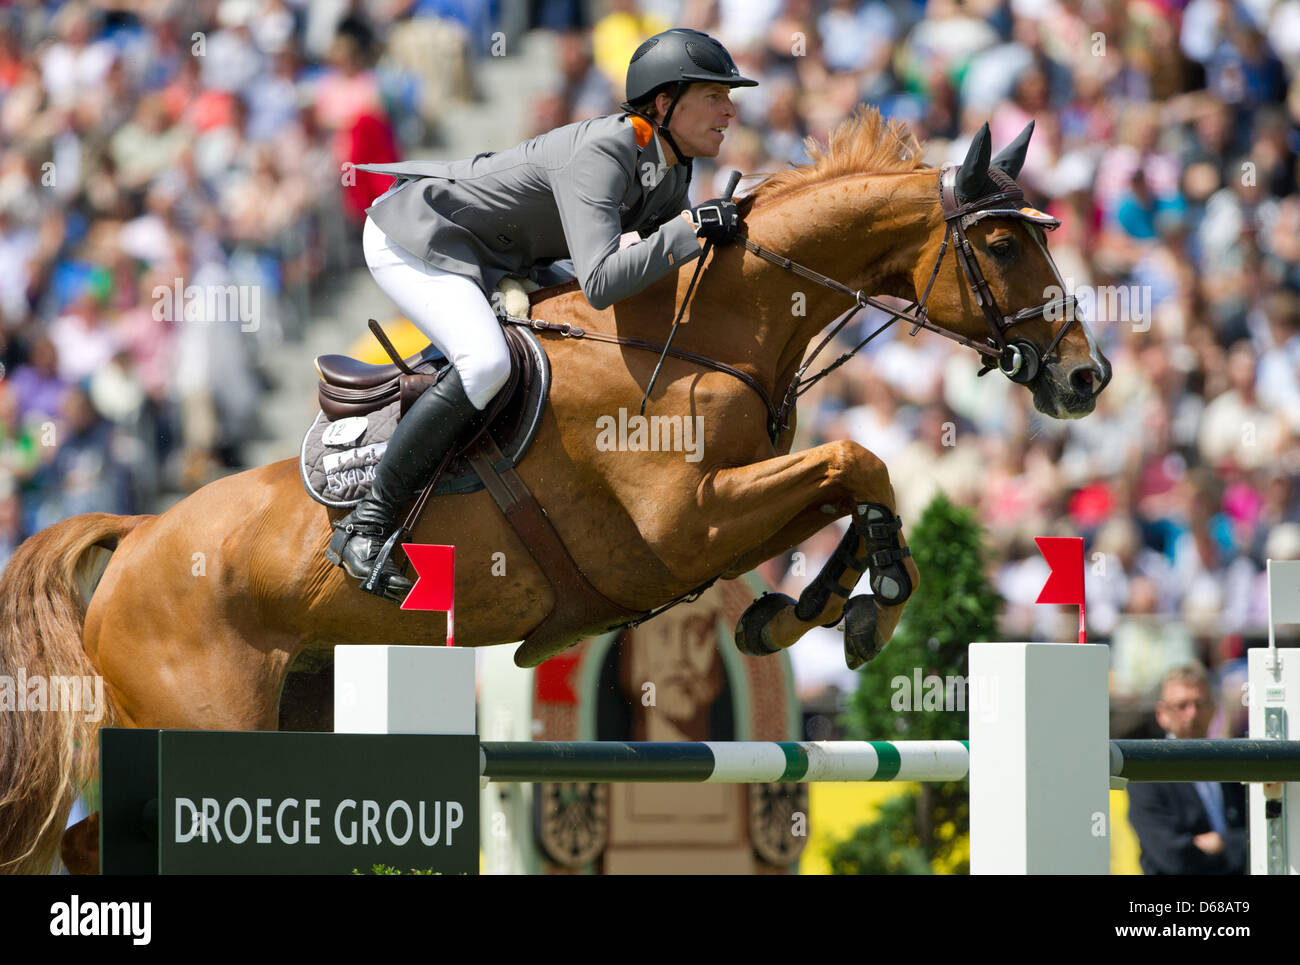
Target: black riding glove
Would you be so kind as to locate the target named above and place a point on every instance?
(717, 220)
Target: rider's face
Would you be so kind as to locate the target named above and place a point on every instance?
(702, 115)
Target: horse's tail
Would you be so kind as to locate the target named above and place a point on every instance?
(48, 746)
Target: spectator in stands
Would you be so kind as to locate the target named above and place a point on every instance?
(1184, 828)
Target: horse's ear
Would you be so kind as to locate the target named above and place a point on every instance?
(975, 169)
(1012, 157)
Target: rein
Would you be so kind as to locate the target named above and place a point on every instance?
(1018, 359)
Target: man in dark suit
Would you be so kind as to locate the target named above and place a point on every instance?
(1188, 829)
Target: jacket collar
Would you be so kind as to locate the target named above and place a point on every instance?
(652, 165)
(650, 150)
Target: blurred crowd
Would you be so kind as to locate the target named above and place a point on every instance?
(1166, 143)
(210, 142)
(175, 192)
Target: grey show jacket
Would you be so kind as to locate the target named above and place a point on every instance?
(568, 193)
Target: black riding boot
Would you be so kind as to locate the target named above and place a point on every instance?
(428, 430)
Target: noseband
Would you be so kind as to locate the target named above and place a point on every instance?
(1017, 358)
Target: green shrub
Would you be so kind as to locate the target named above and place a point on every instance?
(928, 829)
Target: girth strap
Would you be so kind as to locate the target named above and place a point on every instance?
(575, 598)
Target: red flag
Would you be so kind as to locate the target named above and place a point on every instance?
(1064, 554)
(553, 684)
(435, 584)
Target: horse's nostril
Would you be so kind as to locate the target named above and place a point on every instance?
(1086, 379)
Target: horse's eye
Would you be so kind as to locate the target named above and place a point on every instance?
(1001, 248)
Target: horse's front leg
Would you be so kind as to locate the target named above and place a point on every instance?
(792, 497)
(775, 621)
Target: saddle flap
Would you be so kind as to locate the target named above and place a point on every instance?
(411, 387)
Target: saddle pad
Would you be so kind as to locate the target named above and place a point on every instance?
(339, 458)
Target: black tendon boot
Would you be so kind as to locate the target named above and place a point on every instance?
(428, 430)
(885, 554)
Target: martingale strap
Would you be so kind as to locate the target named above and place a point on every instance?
(575, 596)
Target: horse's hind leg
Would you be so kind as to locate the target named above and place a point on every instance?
(239, 692)
(212, 670)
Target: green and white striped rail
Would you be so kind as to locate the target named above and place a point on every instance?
(752, 762)
(724, 762)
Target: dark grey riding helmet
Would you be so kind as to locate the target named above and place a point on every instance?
(672, 60)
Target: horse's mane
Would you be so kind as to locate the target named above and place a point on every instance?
(864, 143)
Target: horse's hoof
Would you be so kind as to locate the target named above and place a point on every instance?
(879, 527)
(861, 641)
(752, 637)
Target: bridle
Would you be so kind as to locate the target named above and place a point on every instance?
(1017, 358)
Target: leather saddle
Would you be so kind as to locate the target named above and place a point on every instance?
(349, 388)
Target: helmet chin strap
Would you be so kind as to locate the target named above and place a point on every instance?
(667, 135)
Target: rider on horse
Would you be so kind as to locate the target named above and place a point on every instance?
(443, 236)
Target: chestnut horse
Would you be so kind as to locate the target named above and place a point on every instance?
(194, 616)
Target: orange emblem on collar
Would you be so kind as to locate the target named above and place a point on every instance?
(643, 131)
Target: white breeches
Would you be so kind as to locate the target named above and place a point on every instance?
(448, 308)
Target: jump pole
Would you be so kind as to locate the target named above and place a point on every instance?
(723, 762)
(828, 762)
